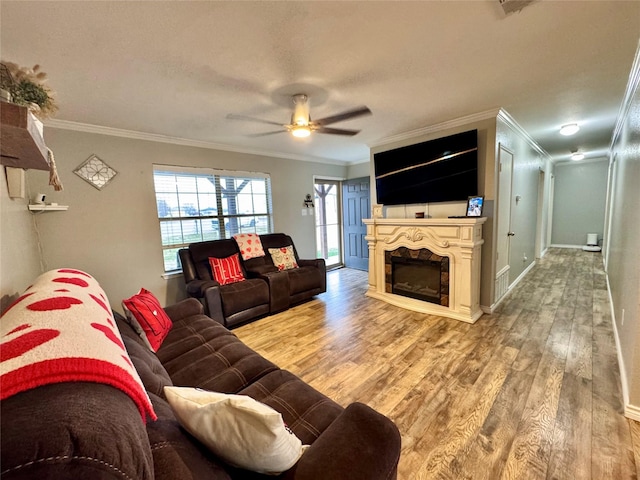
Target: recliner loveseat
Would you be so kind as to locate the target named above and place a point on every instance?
(266, 290)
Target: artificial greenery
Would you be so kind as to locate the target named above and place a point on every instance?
(26, 86)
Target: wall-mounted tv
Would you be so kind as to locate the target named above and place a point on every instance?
(440, 170)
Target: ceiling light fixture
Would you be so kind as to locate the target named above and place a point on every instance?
(569, 129)
(575, 156)
(301, 131)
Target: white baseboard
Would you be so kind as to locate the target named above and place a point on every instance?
(630, 411)
(561, 245)
(492, 308)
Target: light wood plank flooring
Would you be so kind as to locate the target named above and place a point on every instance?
(529, 392)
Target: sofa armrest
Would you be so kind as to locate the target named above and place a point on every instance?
(314, 262)
(361, 444)
(183, 309)
(197, 288)
(321, 265)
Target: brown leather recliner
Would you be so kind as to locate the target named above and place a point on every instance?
(230, 304)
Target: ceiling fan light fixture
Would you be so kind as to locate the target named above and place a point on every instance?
(569, 129)
(577, 156)
(301, 131)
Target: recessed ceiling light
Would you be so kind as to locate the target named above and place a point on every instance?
(569, 129)
(577, 156)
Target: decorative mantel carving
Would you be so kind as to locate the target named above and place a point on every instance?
(459, 239)
(414, 234)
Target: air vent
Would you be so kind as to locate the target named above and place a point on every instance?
(512, 6)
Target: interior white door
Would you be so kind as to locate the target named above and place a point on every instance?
(504, 233)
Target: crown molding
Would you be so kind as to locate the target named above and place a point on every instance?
(515, 126)
(632, 85)
(154, 137)
(457, 122)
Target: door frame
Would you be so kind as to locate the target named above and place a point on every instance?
(339, 180)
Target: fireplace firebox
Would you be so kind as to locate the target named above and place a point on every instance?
(416, 278)
(419, 274)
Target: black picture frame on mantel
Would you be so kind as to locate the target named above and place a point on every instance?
(474, 206)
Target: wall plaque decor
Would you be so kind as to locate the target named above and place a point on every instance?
(96, 172)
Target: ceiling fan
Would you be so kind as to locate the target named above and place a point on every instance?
(301, 124)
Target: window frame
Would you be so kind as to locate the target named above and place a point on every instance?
(228, 224)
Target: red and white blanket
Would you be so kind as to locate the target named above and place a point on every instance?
(62, 330)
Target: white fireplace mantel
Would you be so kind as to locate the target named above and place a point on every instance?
(459, 239)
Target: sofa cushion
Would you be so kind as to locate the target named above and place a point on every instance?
(249, 244)
(226, 270)
(237, 428)
(201, 251)
(199, 352)
(147, 317)
(241, 296)
(176, 456)
(306, 411)
(283, 257)
(151, 372)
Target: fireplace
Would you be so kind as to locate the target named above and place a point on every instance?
(429, 265)
(419, 274)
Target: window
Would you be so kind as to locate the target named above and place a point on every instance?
(199, 204)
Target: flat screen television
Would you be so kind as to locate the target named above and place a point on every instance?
(440, 170)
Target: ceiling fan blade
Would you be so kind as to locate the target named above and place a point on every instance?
(255, 135)
(356, 112)
(232, 116)
(337, 131)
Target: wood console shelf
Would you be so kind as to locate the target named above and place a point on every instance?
(21, 141)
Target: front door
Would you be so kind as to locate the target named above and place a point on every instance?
(355, 207)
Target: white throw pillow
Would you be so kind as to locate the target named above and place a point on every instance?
(240, 430)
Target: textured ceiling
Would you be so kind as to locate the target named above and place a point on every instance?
(179, 68)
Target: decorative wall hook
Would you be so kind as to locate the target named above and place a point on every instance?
(308, 201)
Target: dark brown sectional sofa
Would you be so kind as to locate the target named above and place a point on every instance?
(79, 430)
(265, 290)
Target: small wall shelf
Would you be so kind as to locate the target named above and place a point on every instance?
(48, 208)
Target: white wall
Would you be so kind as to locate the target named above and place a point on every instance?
(19, 256)
(358, 170)
(114, 233)
(623, 262)
(579, 201)
(527, 162)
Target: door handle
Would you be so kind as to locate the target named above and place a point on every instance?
(511, 234)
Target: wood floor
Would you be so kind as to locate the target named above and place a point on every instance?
(529, 392)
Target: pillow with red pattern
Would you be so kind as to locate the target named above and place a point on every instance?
(283, 257)
(226, 270)
(250, 245)
(147, 318)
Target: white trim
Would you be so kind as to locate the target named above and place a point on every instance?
(632, 412)
(458, 122)
(572, 163)
(632, 86)
(515, 126)
(562, 245)
(170, 275)
(154, 137)
(327, 177)
(623, 371)
(521, 276)
(204, 170)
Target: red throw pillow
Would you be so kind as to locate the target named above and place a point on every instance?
(148, 318)
(226, 270)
